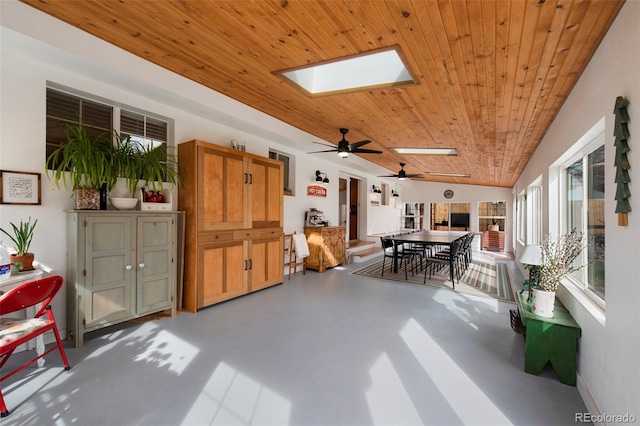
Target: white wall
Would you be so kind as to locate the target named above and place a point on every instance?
(37, 49)
(609, 376)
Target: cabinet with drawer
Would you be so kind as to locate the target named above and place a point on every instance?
(233, 203)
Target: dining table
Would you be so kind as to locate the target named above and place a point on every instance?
(443, 238)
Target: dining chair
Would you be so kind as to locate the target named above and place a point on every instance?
(395, 254)
(441, 260)
(17, 331)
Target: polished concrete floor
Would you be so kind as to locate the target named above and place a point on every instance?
(321, 349)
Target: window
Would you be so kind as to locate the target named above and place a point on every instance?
(99, 118)
(534, 212)
(385, 194)
(521, 218)
(492, 213)
(149, 132)
(584, 206)
(450, 216)
(63, 109)
(289, 169)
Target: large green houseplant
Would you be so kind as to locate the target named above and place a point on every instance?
(83, 164)
(136, 163)
(86, 163)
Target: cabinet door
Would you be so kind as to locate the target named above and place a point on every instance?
(267, 192)
(335, 242)
(155, 248)
(222, 272)
(222, 190)
(107, 294)
(266, 263)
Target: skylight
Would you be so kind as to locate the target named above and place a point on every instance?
(426, 151)
(381, 68)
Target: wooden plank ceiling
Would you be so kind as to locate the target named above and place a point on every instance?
(491, 74)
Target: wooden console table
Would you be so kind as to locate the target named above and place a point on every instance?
(551, 340)
(326, 247)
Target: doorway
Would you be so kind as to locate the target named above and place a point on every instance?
(349, 195)
(353, 209)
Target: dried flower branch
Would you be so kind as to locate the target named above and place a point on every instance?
(558, 256)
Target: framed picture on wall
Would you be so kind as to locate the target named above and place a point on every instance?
(20, 187)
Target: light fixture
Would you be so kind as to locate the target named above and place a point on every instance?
(319, 177)
(531, 258)
(462, 175)
(376, 190)
(427, 151)
(394, 193)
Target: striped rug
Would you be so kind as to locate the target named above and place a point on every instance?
(480, 279)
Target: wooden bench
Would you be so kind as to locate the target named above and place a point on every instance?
(551, 340)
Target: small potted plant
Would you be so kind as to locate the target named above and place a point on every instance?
(557, 258)
(83, 163)
(21, 238)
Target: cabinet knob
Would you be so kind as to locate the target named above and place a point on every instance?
(128, 267)
(141, 265)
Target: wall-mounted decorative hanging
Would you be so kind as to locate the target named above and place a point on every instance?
(20, 187)
(621, 133)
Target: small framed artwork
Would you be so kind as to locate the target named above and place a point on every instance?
(19, 187)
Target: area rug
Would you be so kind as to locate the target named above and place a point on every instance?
(480, 279)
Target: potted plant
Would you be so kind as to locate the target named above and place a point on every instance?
(21, 238)
(83, 163)
(136, 163)
(557, 260)
(158, 166)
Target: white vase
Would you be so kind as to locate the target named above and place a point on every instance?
(542, 302)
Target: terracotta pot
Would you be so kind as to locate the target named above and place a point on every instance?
(26, 260)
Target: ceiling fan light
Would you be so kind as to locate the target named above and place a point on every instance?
(343, 154)
(401, 178)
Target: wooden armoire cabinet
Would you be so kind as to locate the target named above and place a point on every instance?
(233, 204)
(121, 265)
(326, 247)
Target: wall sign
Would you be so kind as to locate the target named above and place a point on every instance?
(316, 191)
(448, 193)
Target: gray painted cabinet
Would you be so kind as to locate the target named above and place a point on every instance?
(121, 265)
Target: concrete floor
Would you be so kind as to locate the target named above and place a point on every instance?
(321, 349)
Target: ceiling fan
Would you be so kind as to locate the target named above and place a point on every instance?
(345, 148)
(402, 175)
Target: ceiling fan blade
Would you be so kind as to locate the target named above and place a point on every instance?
(365, 151)
(328, 150)
(359, 144)
(388, 176)
(324, 144)
(414, 175)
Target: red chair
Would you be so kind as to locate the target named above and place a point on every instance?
(15, 332)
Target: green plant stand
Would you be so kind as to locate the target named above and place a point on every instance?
(553, 340)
